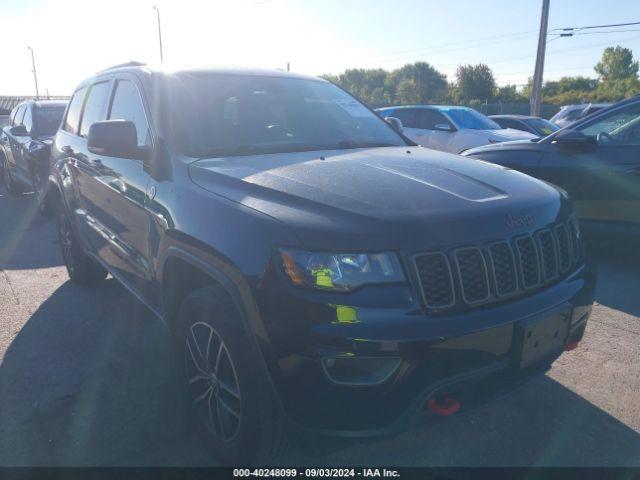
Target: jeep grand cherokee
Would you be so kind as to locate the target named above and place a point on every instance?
(319, 271)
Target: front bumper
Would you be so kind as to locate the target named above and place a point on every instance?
(474, 355)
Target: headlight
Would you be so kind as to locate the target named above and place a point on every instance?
(340, 271)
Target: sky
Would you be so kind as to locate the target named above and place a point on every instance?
(72, 39)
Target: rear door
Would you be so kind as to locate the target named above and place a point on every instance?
(21, 153)
(12, 151)
(604, 183)
(119, 197)
(86, 170)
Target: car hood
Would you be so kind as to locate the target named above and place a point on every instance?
(506, 134)
(512, 145)
(401, 197)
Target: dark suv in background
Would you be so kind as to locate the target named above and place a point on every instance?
(596, 160)
(25, 144)
(319, 271)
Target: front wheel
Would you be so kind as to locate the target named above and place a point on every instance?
(230, 397)
(81, 268)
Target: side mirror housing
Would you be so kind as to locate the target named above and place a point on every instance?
(19, 131)
(574, 140)
(115, 138)
(443, 127)
(395, 123)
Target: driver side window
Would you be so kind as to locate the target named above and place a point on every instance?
(620, 127)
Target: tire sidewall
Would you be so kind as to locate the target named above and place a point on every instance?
(258, 412)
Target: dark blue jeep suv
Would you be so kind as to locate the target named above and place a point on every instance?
(319, 271)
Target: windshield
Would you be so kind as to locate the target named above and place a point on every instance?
(48, 119)
(542, 126)
(471, 119)
(232, 115)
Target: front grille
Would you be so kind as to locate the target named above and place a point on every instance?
(482, 274)
(528, 261)
(503, 264)
(435, 276)
(547, 246)
(472, 271)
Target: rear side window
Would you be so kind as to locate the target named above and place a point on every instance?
(27, 121)
(407, 116)
(73, 114)
(127, 105)
(13, 115)
(17, 120)
(95, 107)
(48, 119)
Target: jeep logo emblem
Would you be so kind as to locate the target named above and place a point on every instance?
(515, 220)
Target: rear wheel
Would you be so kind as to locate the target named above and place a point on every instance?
(229, 395)
(12, 185)
(81, 268)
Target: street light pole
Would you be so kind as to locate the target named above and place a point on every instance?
(159, 32)
(536, 91)
(35, 76)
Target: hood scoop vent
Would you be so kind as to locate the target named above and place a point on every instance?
(448, 181)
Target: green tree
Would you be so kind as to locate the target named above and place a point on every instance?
(369, 85)
(474, 82)
(508, 94)
(417, 83)
(617, 64)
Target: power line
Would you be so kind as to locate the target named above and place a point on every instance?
(596, 26)
(475, 43)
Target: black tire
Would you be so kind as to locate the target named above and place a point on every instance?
(12, 185)
(233, 380)
(42, 191)
(81, 268)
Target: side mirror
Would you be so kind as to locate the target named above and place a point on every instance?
(443, 127)
(395, 123)
(18, 131)
(574, 140)
(115, 138)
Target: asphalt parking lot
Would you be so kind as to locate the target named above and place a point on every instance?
(87, 378)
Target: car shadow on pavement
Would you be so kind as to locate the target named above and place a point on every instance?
(543, 423)
(27, 239)
(90, 379)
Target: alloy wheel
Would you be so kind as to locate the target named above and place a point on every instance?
(65, 236)
(212, 381)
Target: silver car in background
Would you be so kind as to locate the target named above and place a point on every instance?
(450, 128)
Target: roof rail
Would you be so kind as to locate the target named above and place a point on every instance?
(133, 63)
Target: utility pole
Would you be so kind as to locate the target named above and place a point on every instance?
(288, 66)
(159, 32)
(536, 91)
(35, 76)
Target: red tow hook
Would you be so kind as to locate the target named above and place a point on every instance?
(571, 345)
(443, 406)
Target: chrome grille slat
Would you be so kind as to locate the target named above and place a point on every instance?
(490, 272)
